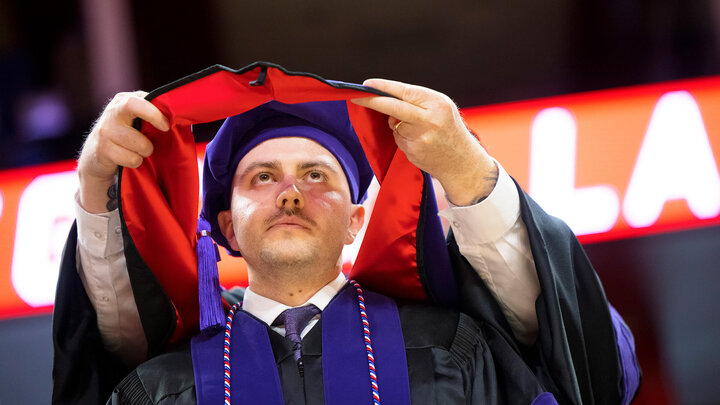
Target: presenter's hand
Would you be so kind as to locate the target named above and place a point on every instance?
(114, 142)
(428, 128)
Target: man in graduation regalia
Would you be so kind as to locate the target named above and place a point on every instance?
(509, 312)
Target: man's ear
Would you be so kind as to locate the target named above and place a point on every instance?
(357, 220)
(226, 227)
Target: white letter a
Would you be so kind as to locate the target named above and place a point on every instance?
(675, 162)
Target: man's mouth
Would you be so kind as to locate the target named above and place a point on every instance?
(288, 224)
(290, 220)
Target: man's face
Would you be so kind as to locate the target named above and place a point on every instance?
(290, 206)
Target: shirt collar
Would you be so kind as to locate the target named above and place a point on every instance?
(267, 309)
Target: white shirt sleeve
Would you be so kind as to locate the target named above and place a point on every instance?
(102, 269)
(494, 240)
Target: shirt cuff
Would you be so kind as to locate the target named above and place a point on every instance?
(488, 220)
(100, 235)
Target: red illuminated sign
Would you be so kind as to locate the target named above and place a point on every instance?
(612, 164)
(35, 219)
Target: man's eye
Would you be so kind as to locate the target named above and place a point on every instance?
(263, 178)
(316, 176)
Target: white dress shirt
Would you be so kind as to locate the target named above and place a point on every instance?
(266, 309)
(491, 236)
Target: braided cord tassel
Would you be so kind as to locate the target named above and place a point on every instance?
(226, 349)
(368, 343)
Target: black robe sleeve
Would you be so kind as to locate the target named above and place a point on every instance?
(166, 379)
(83, 372)
(452, 359)
(576, 354)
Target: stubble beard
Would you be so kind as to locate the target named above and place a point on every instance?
(298, 261)
(287, 261)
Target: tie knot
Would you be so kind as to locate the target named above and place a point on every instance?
(295, 319)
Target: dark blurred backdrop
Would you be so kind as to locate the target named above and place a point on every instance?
(60, 62)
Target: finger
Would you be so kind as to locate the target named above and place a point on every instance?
(137, 107)
(405, 129)
(417, 95)
(120, 156)
(131, 139)
(395, 124)
(393, 107)
(388, 86)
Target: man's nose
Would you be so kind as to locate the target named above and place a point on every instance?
(290, 197)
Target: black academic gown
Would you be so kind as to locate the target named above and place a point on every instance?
(575, 357)
(449, 360)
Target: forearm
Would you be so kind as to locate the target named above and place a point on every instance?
(510, 275)
(472, 180)
(494, 240)
(97, 194)
(102, 269)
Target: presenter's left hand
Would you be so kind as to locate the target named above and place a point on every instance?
(428, 128)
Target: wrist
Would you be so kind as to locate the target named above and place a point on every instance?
(90, 170)
(97, 194)
(472, 184)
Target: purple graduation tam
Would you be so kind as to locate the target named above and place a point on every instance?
(325, 122)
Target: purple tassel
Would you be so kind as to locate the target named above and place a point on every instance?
(211, 310)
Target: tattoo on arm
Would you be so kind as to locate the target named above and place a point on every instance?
(112, 194)
(491, 182)
(492, 179)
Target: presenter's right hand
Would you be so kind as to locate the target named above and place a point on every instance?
(114, 142)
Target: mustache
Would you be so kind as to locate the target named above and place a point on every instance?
(289, 212)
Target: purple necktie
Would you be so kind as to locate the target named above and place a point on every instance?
(295, 320)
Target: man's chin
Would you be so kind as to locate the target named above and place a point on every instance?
(289, 253)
